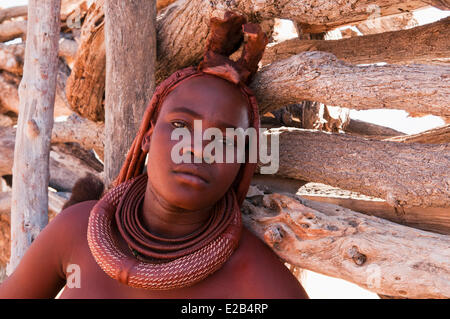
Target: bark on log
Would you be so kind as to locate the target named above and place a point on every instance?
(431, 42)
(373, 131)
(182, 30)
(13, 12)
(371, 252)
(55, 202)
(85, 87)
(11, 57)
(395, 22)
(80, 130)
(6, 120)
(11, 30)
(9, 98)
(67, 162)
(29, 209)
(127, 93)
(320, 76)
(405, 175)
(437, 135)
(436, 220)
(440, 4)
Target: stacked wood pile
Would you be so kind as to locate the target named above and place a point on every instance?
(397, 245)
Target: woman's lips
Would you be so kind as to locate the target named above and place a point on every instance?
(190, 179)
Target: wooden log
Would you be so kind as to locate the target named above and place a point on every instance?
(390, 47)
(369, 130)
(440, 4)
(405, 175)
(437, 135)
(55, 202)
(395, 22)
(11, 30)
(320, 76)
(182, 30)
(85, 87)
(436, 220)
(13, 12)
(11, 57)
(374, 253)
(29, 209)
(9, 97)
(127, 93)
(7, 120)
(80, 130)
(67, 162)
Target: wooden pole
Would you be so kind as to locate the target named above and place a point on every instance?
(130, 40)
(29, 205)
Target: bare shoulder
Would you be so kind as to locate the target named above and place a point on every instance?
(265, 274)
(74, 217)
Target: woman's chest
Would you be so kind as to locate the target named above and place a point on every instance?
(86, 279)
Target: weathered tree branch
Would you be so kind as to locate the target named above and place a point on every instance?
(13, 12)
(67, 164)
(37, 90)
(182, 30)
(436, 220)
(371, 252)
(9, 98)
(431, 42)
(405, 175)
(12, 29)
(80, 130)
(370, 130)
(437, 135)
(320, 76)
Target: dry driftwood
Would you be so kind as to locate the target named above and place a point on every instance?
(80, 130)
(127, 93)
(182, 30)
(320, 76)
(441, 4)
(431, 42)
(10, 30)
(11, 57)
(436, 220)
(13, 12)
(67, 163)
(55, 202)
(405, 175)
(371, 252)
(85, 87)
(37, 90)
(437, 135)
(9, 88)
(370, 130)
(395, 22)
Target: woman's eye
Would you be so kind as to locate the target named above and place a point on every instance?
(178, 124)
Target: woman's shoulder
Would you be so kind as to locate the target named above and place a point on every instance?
(76, 214)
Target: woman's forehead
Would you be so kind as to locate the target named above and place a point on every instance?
(209, 97)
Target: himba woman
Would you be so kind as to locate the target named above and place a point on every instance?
(174, 230)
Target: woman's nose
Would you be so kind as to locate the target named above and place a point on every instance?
(197, 154)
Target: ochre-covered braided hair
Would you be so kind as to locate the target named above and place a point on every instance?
(226, 36)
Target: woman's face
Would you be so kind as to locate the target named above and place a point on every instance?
(218, 104)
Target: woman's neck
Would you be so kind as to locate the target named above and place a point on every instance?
(166, 220)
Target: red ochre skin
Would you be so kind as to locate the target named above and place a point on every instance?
(171, 208)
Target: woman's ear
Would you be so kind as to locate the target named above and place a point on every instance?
(145, 145)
